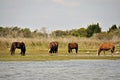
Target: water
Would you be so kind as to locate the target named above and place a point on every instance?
(61, 70)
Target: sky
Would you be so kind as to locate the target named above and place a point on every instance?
(59, 14)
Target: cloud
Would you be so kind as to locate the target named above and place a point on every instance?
(69, 3)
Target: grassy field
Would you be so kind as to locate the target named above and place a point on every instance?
(37, 49)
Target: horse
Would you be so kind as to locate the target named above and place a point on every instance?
(53, 47)
(105, 47)
(71, 46)
(18, 45)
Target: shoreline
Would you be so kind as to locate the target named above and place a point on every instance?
(57, 57)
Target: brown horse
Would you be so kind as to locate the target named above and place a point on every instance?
(105, 47)
(19, 45)
(53, 46)
(71, 46)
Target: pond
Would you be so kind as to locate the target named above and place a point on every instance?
(61, 70)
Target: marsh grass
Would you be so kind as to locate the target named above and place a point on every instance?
(37, 49)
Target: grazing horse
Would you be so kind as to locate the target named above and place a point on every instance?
(19, 45)
(105, 47)
(53, 46)
(71, 46)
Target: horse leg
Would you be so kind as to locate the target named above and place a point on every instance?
(56, 50)
(98, 52)
(76, 50)
(104, 53)
(112, 51)
(69, 50)
(52, 50)
(21, 52)
(12, 51)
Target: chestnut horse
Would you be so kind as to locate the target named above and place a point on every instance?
(53, 46)
(105, 47)
(19, 45)
(71, 46)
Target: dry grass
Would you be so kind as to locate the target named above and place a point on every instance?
(36, 46)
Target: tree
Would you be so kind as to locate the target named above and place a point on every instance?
(15, 31)
(26, 32)
(80, 32)
(112, 28)
(94, 28)
(119, 27)
(1, 31)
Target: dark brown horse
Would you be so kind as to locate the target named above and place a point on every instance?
(19, 45)
(53, 46)
(71, 46)
(105, 47)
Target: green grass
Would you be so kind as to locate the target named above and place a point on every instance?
(49, 57)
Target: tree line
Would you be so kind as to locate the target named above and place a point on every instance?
(14, 32)
(92, 30)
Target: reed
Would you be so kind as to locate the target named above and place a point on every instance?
(40, 45)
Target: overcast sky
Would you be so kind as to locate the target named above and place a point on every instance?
(59, 14)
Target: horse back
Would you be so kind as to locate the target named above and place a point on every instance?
(107, 46)
(72, 45)
(18, 44)
(53, 44)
